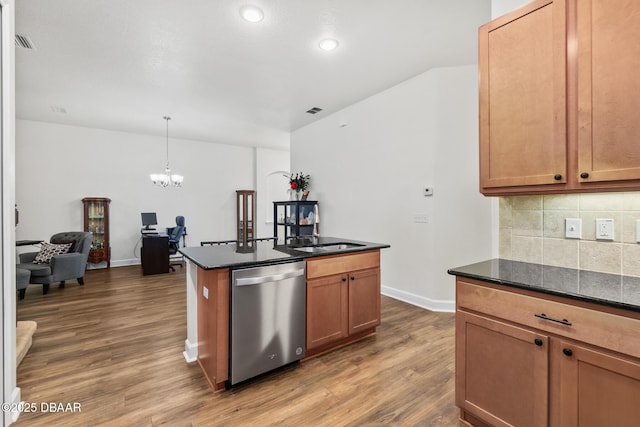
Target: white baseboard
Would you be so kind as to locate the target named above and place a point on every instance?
(190, 352)
(125, 262)
(420, 301)
(116, 263)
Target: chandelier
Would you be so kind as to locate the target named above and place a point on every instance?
(167, 178)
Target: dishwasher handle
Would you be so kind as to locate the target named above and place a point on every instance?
(258, 280)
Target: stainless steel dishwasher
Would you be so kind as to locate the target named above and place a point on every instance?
(267, 318)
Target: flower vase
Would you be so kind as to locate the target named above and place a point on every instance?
(298, 194)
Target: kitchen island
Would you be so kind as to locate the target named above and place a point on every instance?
(541, 345)
(342, 294)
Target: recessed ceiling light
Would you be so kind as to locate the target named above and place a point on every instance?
(328, 44)
(251, 13)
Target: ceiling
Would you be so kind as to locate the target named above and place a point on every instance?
(124, 64)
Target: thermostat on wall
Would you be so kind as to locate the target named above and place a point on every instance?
(428, 191)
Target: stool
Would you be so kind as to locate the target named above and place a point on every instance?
(24, 333)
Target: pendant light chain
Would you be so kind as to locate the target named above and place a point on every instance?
(167, 179)
(167, 118)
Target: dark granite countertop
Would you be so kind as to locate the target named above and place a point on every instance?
(269, 252)
(600, 288)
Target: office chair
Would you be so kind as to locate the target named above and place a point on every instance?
(175, 234)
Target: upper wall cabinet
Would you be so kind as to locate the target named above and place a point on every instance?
(608, 90)
(522, 97)
(559, 104)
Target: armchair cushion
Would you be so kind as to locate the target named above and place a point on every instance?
(48, 250)
(37, 270)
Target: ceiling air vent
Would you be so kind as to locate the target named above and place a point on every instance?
(314, 110)
(24, 42)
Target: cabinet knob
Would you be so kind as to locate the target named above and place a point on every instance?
(353, 278)
(538, 342)
(567, 351)
(584, 175)
(344, 279)
(557, 177)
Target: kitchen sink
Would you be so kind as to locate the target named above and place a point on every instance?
(328, 247)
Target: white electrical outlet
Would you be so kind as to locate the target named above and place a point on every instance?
(423, 218)
(573, 228)
(604, 229)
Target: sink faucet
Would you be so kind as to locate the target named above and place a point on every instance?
(316, 221)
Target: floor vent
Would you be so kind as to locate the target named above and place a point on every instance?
(314, 110)
(24, 42)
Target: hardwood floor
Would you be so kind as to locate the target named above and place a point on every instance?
(115, 346)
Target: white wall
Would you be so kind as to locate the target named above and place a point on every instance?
(368, 177)
(500, 7)
(271, 165)
(57, 165)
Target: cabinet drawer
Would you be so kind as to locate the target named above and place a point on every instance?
(595, 327)
(336, 264)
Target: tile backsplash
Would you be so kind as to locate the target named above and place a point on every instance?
(532, 229)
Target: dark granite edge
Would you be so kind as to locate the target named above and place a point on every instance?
(244, 264)
(546, 290)
(288, 255)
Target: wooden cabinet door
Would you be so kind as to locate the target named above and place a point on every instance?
(522, 66)
(213, 325)
(364, 300)
(327, 310)
(597, 389)
(502, 372)
(608, 90)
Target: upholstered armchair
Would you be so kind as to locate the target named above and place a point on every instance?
(65, 266)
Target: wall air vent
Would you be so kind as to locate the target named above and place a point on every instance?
(314, 110)
(24, 42)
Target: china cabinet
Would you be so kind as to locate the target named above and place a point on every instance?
(96, 221)
(246, 211)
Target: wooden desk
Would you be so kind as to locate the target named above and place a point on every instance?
(154, 254)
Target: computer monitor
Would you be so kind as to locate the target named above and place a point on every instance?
(148, 218)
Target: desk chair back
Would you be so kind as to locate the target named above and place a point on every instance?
(175, 234)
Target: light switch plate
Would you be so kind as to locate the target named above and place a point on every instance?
(638, 230)
(604, 229)
(421, 217)
(573, 228)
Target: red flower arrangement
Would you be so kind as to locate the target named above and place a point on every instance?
(299, 181)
